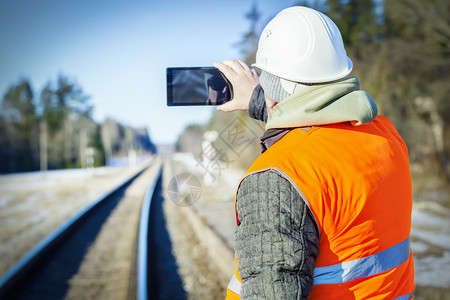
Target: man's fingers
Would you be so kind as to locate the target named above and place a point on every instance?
(228, 71)
(244, 65)
(226, 107)
(234, 65)
(222, 67)
(233, 69)
(237, 66)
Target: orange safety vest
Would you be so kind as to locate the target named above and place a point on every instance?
(356, 182)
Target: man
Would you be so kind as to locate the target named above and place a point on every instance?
(325, 211)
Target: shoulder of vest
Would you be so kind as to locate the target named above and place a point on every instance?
(285, 177)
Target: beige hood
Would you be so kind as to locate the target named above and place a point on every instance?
(340, 101)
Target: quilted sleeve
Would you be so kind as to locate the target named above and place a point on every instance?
(277, 240)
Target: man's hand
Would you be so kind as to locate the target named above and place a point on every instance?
(243, 79)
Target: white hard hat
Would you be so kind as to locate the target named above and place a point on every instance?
(303, 45)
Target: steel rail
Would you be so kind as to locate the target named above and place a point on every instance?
(143, 242)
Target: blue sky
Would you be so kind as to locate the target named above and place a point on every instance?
(117, 51)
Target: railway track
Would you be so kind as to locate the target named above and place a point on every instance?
(56, 268)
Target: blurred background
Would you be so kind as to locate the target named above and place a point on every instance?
(82, 86)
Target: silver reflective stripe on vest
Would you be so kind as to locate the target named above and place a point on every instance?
(235, 285)
(405, 297)
(363, 267)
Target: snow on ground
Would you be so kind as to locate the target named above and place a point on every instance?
(433, 270)
(431, 228)
(431, 244)
(215, 205)
(188, 160)
(33, 180)
(227, 174)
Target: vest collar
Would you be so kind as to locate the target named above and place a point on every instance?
(272, 136)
